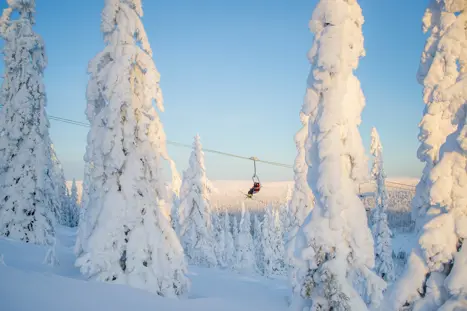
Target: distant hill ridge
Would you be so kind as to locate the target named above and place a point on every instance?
(229, 192)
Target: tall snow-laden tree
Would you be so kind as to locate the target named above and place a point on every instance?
(338, 250)
(28, 199)
(196, 230)
(301, 202)
(437, 71)
(229, 249)
(172, 212)
(174, 208)
(219, 236)
(84, 218)
(59, 184)
(74, 206)
(258, 245)
(384, 264)
(235, 233)
(127, 237)
(272, 243)
(245, 250)
(436, 270)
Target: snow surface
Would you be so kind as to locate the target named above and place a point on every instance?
(62, 287)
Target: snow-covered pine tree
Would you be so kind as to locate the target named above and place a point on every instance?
(235, 234)
(266, 246)
(258, 245)
(174, 208)
(196, 230)
(338, 253)
(28, 199)
(301, 202)
(436, 271)
(219, 236)
(84, 218)
(174, 215)
(62, 212)
(229, 250)
(195, 210)
(278, 261)
(384, 264)
(284, 215)
(127, 237)
(245, 249)
(74, 206)
(272, 243)
(436, 124)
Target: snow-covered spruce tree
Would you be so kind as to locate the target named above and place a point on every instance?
(301, 202)
(196, 230)
(284, 215)
(174, 211)
(219, 236)
(84, 218)
(235, 234)
(175, 215)
(435, 274)
(127, 237)
(27, 196)
(437, 71)
(338, 250)
(272, 243)
(258, 245)
(74, 206)
(384, 264)
(62, 212)
(229, 249)
(245, 249)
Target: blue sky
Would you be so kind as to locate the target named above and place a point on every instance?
(235, 72)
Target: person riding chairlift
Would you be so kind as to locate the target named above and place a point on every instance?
(256, 183)
(254, 190)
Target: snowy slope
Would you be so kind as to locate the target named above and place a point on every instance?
(63, 288)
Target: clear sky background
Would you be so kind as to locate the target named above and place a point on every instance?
(235, 72)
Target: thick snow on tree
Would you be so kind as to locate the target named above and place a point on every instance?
(338, 256)
(384, 264)
(174, 215)
(258, 244)
(245, 257)
(301, 201)
(59, 184)
(229, 249)
(219, 236)
(74, 206)
(127, 237)
(435, 276)
(175, 192)
(84, 219)
(28, 198)
(196, 230)
(272, 243)
(235, 233)
(437, 71)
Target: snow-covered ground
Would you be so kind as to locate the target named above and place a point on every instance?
(28, 284)
(62, 287)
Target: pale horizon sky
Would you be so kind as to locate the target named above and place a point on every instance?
(235, 72)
